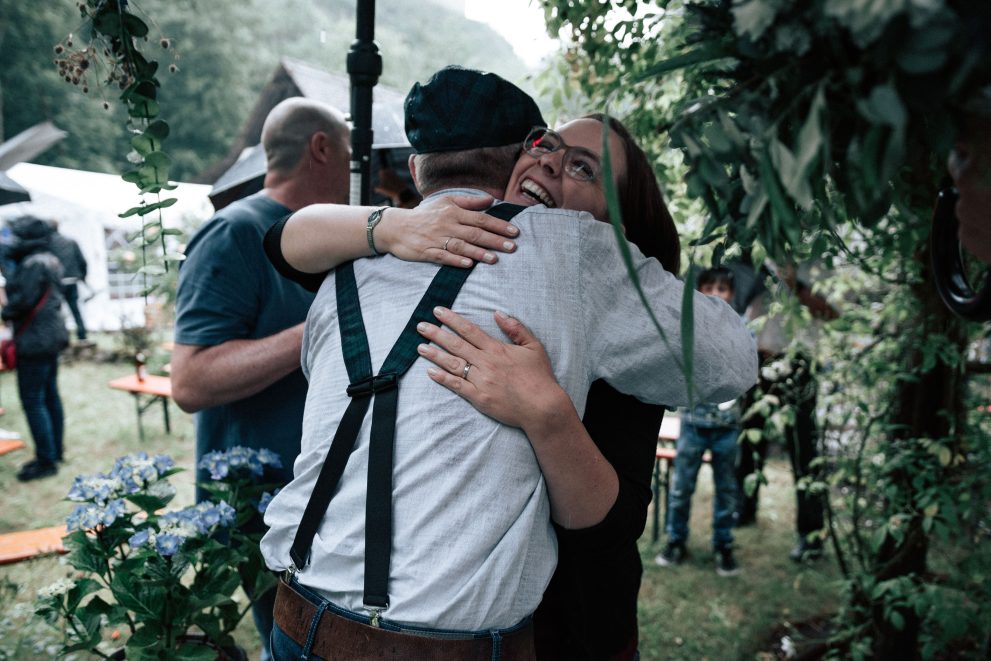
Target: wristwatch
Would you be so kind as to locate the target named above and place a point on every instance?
(374, 219)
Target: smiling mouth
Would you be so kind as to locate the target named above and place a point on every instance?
(537, 193)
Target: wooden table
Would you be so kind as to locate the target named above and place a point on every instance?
(154, 388)
(668, 434)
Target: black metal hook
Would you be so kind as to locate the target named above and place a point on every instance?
(949, 274)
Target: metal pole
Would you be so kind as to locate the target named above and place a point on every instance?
(364, 68)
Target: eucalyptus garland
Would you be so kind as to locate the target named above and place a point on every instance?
(106, 53)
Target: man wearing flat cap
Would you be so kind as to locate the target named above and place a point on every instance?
(416, 527)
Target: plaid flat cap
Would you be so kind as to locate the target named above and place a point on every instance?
(462, 108)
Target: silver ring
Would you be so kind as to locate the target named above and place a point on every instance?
(447, 242)
(464, 374)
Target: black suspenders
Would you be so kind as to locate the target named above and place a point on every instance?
(384, 388)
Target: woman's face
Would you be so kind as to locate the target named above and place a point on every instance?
(543, 181)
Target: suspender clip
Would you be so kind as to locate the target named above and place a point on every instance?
(373, 384)
(375, 614)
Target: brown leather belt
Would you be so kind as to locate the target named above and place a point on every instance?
(341, 639)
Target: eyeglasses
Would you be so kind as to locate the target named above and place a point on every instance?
(579, 163)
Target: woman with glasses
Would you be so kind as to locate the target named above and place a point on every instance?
(589, 610)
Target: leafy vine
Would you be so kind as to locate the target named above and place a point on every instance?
(111, 53)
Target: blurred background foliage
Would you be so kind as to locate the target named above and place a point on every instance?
(816, 133)
(225, 51)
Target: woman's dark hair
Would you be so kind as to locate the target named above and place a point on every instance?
(716, 276)
(646, 218)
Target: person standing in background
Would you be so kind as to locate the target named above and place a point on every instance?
(34, 306)
(716, 428)
(74, 272)
(788, 373)
(239, 324)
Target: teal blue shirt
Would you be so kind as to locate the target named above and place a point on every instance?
(228, 290)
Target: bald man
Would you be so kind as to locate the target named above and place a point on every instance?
(239, 324)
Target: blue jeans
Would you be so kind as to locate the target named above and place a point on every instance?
(285, 648)
(693, 442)
(38, 388)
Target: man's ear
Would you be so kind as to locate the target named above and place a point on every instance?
(319, 147)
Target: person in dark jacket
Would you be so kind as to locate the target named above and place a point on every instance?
(34, 302)
(74, 267)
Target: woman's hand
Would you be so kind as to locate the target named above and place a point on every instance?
(513, 383)
(448, 231)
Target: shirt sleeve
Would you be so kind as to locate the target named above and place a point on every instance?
(221, 284)
(273, 249)
(637, 357)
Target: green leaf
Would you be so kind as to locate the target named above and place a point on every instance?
(158, 129)
(897, 620)
(194, 652)
(147, 635)
(83, 587)
(705, 53)
(135, 25)
(751, 18)
(149, 503)
(884, 106)
(143, 108)
(688, 332)
(107, 21)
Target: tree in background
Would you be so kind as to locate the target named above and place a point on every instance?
(818, 131)
(224, 52)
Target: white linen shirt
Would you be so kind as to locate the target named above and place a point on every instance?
(473, 546)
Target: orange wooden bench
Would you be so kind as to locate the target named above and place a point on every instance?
(17, 546)
(9, 445)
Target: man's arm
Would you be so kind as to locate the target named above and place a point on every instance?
(203, 377)
(626, 348)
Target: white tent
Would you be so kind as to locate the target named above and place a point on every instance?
(86, 205)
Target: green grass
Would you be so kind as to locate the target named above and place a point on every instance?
(686, 612)
(689, 612)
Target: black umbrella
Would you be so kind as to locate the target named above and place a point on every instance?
(11, 191)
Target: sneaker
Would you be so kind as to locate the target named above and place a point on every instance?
(806, 550)
(673, 554)
(725, 562)
(35, 470)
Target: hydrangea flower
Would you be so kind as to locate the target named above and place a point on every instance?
(131, 473)
(220, 464)
(56, 589)
(264, 501)
(138, 470)
(139, 538)
(200, 519)
(95, 488)
(87, 517)
(168, 544)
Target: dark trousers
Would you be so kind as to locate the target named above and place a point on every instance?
(37, 384)
(71, 294)
(798, 389)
